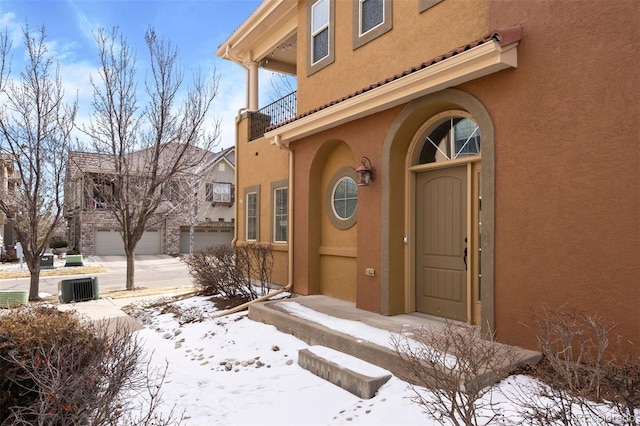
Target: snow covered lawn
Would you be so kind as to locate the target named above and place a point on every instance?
(234, 371)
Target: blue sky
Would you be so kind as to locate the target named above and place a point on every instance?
(196, 27)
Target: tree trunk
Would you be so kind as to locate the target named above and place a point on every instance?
(34, 283)
(130, 271)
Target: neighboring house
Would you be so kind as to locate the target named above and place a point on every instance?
(9, 181)
(503, 141)
(93, 230)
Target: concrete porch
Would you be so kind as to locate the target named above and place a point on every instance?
(319, 329)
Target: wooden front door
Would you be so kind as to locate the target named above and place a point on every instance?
(441, 246)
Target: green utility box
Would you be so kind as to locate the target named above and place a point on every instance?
(12, 298)
(46, 261)
(74, 260)
(78, 290)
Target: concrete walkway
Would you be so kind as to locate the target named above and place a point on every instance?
(109, 309)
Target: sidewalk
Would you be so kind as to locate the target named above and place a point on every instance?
(109, 309)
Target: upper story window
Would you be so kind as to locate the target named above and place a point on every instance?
(219, 192)
(320, 30)
(101, 194)
(371, 14)
(371, 19)
(321, 23)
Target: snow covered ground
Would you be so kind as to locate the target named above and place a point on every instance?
(234, 371)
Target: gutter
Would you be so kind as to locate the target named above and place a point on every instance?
(278, 142)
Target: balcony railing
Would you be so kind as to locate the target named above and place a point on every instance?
(275, 113)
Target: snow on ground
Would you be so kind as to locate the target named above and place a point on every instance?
(265, 385)
(234, 371)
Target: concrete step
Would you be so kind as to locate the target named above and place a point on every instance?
(350, 373)
(314, 333)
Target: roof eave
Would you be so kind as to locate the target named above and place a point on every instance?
(247, 42)
(477, 62)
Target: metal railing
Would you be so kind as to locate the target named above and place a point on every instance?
(275, 113)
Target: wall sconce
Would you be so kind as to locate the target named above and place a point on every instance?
(365, 172)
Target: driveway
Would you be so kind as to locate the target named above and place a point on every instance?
(150, 271)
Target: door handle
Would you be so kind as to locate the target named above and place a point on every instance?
(464, 257)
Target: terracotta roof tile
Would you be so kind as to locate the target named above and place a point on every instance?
(503, 36)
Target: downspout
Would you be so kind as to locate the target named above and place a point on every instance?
(235, 177)
(289, 286)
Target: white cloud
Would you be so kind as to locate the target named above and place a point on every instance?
(231, 97)
(85, 25)
(11, 27)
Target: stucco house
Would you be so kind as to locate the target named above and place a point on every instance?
(473, 160)
(209, 216)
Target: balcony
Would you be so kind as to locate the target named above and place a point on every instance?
(275, 113)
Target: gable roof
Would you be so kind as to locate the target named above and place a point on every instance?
(101, 163)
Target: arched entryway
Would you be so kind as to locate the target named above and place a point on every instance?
(444, 167)
(411, 161)
(333, 213)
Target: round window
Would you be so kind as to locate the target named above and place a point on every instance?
(341, 199)
(345, 198)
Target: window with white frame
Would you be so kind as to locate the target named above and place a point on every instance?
(371, 19)
(320, 20)
(345, 198)
(280, 214)
(320, 30)
(219, 192)
(252, 216)
(341, 200)
(371, 14)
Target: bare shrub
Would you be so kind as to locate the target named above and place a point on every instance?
(255, 262)
(244, 270)
(587, 379)
(183, 315)
(458, 367)
(622, 376)
(59, 370)
(214, 271)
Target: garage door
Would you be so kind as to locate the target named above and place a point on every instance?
(109, 242)
(205, 237)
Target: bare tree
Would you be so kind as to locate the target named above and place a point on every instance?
(280, 85)
(151, 137)
(35, 126)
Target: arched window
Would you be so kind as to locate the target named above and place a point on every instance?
(454, 136)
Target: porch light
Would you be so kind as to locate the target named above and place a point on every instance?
(365, 172)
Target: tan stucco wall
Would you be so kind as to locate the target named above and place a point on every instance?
(317, 158)
(337, 246)
(567, 164)
(415, 38)
(260, 164)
